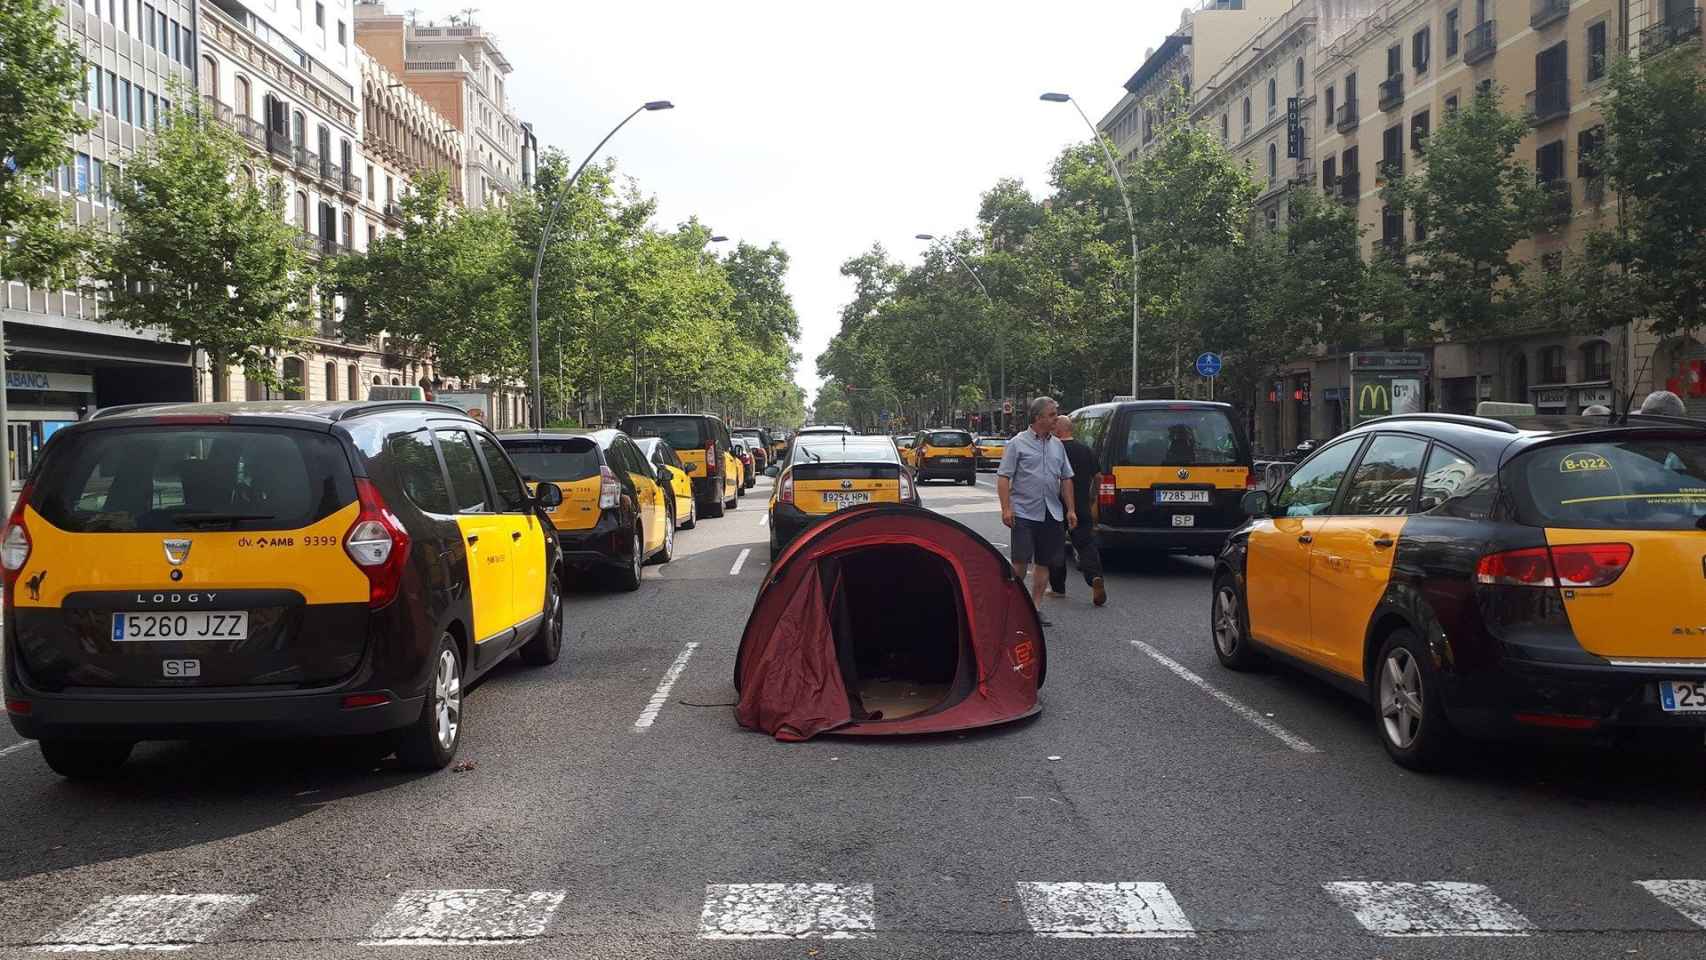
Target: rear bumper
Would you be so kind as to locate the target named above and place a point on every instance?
(788, 522)
(708, 489)
(605, 544)
(1193, 540)
(207, 715)
(1527, 698)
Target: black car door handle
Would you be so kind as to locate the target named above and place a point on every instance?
(516, 535)
(473, 538)
(1305, 538)
(1383, 543)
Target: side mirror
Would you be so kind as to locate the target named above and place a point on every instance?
(549, 495)
(772, 471)
(1257, 503)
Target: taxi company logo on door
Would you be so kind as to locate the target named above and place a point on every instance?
(1583, 463)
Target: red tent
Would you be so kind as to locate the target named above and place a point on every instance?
(888, 619)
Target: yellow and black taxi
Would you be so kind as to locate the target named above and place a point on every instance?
(269, 569)
(830, 472)
(989, 451)
(616, 516)
(1465, 575)
(672, 473)
(945, 455)
(903, 444)
(759, 439)
(1173, 473)
(706, 449)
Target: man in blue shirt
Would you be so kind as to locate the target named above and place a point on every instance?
(1034, 482)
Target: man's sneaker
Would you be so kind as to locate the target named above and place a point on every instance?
(1060, 594)
(1098, 592)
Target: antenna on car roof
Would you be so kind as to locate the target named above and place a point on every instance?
(1629, 404)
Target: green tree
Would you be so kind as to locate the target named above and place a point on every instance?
(203, 253)
(41, 75)
(1474, 201)
(1653, 266)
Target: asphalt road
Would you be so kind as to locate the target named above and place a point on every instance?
(614, 809)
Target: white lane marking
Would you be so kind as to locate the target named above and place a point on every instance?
(1687, 897)
(1184, 673)
(17, 748)
(1103, 910)
(457, 917)
(1435, 909)
(740, 561)
(156, 922)
(763, 519)
(788, 911)
(661, 695)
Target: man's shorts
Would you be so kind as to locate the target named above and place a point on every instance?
(1042, 542)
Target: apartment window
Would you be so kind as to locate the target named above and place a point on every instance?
(390, 188)
(1329, 172)
(97, 182)
(1419, 131)
(1421, 230)
(348, 224)
(370, 187)
(112, 93)
(1421, 49)
(372, 236)
(177, 43)
(1549, 162)
(1588, 144)
(82, 184)
(126, 16)
(1351, 90)
(1225, 127)
(343, 34)
(1596, 51)
(1299, 76)
(1246, 114)
(1392, 150)
(1348, 161)
(160, 20)
(1273, 96)
(1273, 163)
(125, 102)
(153, 112)
(141, 107)
(320, 15)
(1451, 105)
(92, 87)
(1451, 33)
(1395, 60)
(149, 21)
(1552, 365)
(1596, 360)
(1391, 227)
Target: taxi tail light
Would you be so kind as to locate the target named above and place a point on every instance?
(786, 493)
(1106, 490)
(1251, 481)
(905, 487)
(609, 489)
(713, 463)
(378, 544)
(1570, 565)
(15, 544)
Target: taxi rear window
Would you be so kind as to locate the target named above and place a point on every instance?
(832, 450)
(683, 433)
(1178, 438)
(949, 438)
(556, 460)
(169, 479)
(1636, 484)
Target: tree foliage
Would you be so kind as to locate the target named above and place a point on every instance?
(41, 75)
(204, 254)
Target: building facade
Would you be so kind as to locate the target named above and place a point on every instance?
(460, 70)
(64, 359)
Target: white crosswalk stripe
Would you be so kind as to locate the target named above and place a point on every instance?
(1103, 910)
(153, 922)
(1434, 909)
(1687, 897)
(454, 917)
(788, 911)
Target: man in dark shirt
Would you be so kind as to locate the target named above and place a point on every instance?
(1083, 536)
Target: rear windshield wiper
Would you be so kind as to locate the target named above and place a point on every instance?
(197, 519)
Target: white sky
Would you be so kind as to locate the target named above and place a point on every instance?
(822, 126)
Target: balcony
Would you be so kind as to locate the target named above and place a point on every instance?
(1350, 186)
(1346, 119)
(1678, 27)
(305, 159)
(1548, 12)
(393, 212)
(1391, 93)
(1481, 43)
(251, 131)
(1560, 199)
(222, 112)
(351, 184)
(1550, 102)
(1391, 168)
(278, 143)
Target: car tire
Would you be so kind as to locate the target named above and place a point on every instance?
(1230, 627)
(667, 553)
(86, 759)
(1409, 714)
(547, 644)
(431, 742)
(733, 503)
(692, 514)
(740, 490)
(629, 577)
(713, 509)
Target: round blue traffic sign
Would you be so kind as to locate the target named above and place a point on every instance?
(1208, 365)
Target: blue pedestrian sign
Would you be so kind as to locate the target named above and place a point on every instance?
(1208, 365)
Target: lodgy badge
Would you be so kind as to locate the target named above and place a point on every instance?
(160, 598)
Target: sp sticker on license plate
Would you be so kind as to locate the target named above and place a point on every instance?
(180, 669)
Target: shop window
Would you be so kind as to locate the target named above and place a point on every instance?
(1552, 365)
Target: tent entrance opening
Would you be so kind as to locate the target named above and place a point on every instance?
(900, 631)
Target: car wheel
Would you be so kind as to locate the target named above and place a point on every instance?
(629, 577)
(713, 509)
(1232, 645)
(733, 503)
(692, 514)
(547, 644)
(740, 490)
(668, 552)
(430, 743)
(1408, 714)
(86, 759)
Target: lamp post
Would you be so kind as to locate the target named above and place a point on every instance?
(1001, 336)
(1131, 221)
(699, 264)
(545, 240)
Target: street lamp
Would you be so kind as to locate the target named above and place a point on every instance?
(699, 262)
(1002, 336)
(545, 239)
(1131, 221)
